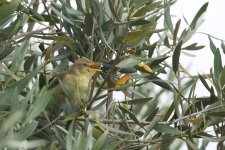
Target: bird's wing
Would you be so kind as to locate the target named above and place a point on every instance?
(54, 81)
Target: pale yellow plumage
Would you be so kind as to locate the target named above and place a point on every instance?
(75, 82)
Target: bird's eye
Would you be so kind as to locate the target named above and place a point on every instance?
(85, 64)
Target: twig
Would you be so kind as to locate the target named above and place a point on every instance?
(26, 34)
(35, 8)
(143, 122)
(9, 72)
(141, 17)
(212, 36)
(46, 8)
(137, 141)
(91, 100)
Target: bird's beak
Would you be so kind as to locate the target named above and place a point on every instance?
(95, 67)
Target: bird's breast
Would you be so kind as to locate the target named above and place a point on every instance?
(76, 85)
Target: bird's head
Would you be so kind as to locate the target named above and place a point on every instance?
(85, 66)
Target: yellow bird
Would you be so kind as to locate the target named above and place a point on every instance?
(74, 83)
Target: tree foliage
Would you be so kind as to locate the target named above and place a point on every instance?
(140, 61)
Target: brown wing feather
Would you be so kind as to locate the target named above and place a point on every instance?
(54, 81)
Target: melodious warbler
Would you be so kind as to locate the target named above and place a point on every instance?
(74, 83)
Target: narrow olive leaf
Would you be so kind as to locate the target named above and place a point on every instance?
(87, 5)
(34, 14)
(11, 119)
(151, 49)
(134, 37)
(214, 80)
(61, 15)
(42, 80)
(145, 68)
(39, 105)
(166, 138)
(98, 106)
(222, 78)
(122, 87)
(20, 53)
(123, 80)
(19, 86)
(213, 97)
(196, 120)
(131, 115)
(176, 57)
(139, 22)
(111, 6)
(3, 2)
(166, 129)
(64, 39)
(129, 62)
(128, 70)
(8, 9)
(152, 114)
(220, 112)
(212, 45)
(72, 116)
(80, 6)
(88, 128)
(185, 35)
(97, 10)
(69, 137)
(217, 64)
(113, 145)
(88, 23)
(135, 92)
(48, 52)
(202, 102)
(169, 112)
(42, 46)
(5, 52)
(101, 96)
(9, 31)
(176, 32)
(85, 139)
(223, 47)
(139, 133)
(197, 21)
(198, 16)
(9, 72)
(156, 61)
(116, 130)
(136, 101)
(102, 36)
(204, 82)
(27, 130)
(190, 144)
(150, 127)
(215, 106)
(100, 141)
(29, 62)
(61, 56)
(168, 20)
(160, 58)
(147, 8)
(138, 4)
(160, 82)
(193, 47)
(166, 42)
(212, 138)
